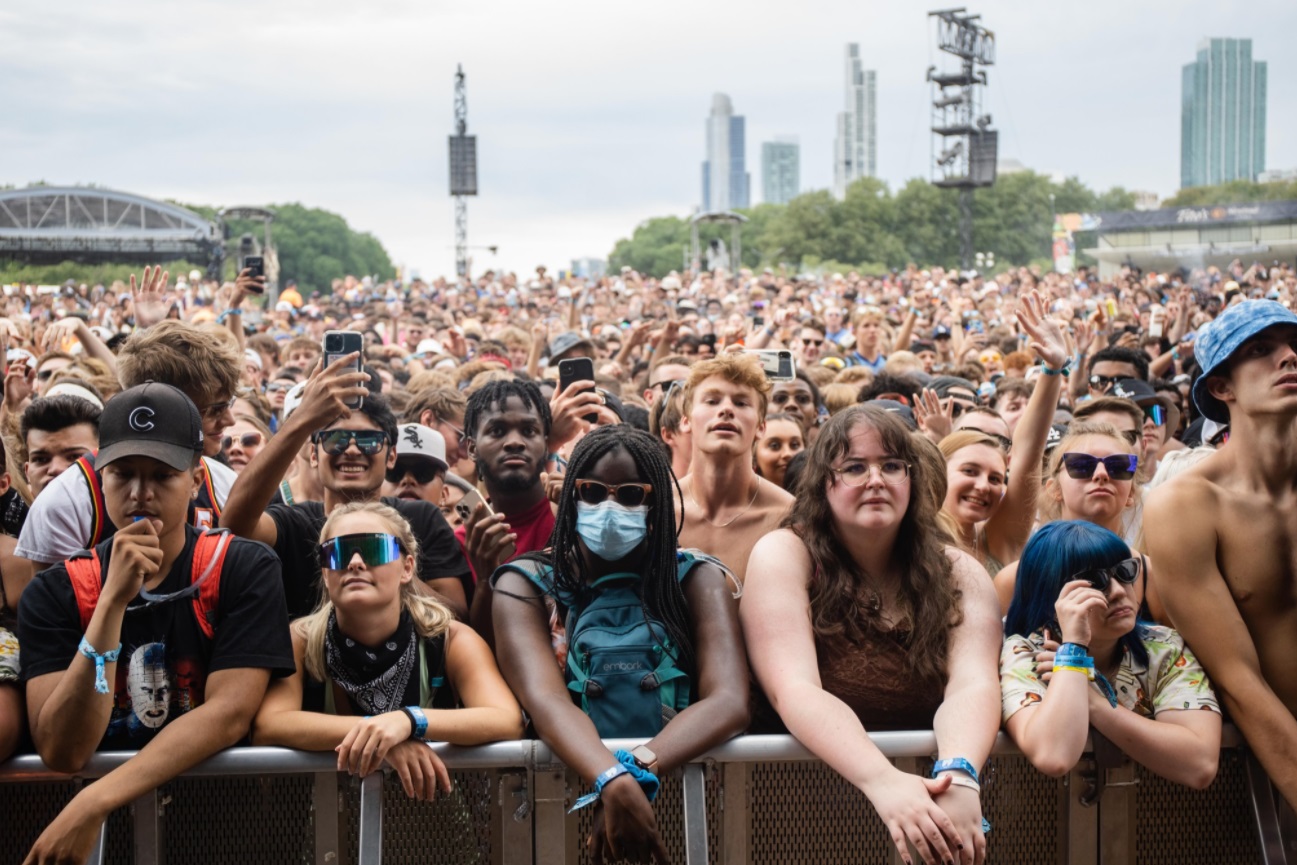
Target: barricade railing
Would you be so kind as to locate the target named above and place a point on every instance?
(1096, 817)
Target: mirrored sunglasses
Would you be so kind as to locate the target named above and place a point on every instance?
(1155, 413)
(1120, 467)
(626, 495)
(375, 549)
(336, 441)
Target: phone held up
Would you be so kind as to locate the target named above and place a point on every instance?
(573, 370)
(256, 265)
(465, 506)
(777, 363)
(338, 343)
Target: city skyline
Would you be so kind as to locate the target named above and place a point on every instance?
(348, 108)
(726, 182)
(1223, 120)
(855, 148)
(780, 169)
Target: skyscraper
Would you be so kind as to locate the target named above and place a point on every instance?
(725, 176)
(855, 150)
(1222, 114)
(780, 170)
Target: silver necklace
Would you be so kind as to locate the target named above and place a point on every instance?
(755, 493)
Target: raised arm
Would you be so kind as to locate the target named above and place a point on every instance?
(1007, 531)
(323, 400)
(775, 615)
(1181, 536)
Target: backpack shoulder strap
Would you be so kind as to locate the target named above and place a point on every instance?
(87, 583)
(687, 560)
(209, 554)
(536, 572)
(101, 525)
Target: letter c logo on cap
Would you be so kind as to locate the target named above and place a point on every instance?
(141, 419)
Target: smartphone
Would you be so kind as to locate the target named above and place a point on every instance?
(1155, 316)
(465, 506)
(573, 370)
(256, 264)
(338, 343)
(758, 321)
(777, 363)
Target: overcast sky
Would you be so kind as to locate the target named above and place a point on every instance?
(589, 115)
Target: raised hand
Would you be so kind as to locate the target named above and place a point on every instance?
(930, 416)
(1047, 339)
(149, 297)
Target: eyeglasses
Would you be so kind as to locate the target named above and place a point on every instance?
(1124, 572)
(1132, 435)
(375, 549)
(856, 474)
(44, 375)
(424, 471)
(247, 440)
(216, 409)
(812, 341)
(456, 430)
(336, 441)
(277, 386)
(1005, 441)
(1120, 467)
(627, 495)
(1104, 382)
(1155, 413)
(957, 408)
(665, 385)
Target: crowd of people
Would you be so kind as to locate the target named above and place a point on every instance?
(1058, 505)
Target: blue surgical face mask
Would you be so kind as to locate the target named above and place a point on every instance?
(610, 530)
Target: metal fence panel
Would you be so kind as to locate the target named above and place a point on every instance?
(1178, 826)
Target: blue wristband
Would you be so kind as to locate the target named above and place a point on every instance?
(626, 765)
(954, 764)
(418, 721)
(100, 658)
(599, 783)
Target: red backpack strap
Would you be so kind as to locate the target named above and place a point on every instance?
(209, 551)
(87, 583)
(101, 525)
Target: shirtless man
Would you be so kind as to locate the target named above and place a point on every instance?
(1224, 533)
(727, 506)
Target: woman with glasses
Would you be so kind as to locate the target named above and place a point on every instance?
(613, 563)
(860, 615)
(1091, 476)
(1136, 683)
(991, 510)
(382, 667)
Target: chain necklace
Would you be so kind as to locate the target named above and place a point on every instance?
(755, 493)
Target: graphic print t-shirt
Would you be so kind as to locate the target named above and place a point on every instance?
(165, 658)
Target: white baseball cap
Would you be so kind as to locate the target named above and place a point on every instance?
(417, 440)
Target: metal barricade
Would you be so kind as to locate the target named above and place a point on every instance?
(756, 799)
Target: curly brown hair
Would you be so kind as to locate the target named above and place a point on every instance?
(842, 615)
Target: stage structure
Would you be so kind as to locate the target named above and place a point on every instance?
(463, 172)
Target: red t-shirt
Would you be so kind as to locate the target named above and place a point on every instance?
(533, 528)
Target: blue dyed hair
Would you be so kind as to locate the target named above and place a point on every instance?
(1055, 552)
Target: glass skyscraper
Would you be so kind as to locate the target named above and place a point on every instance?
(855, 149)
(725, 175)
(1222, 114)
(780, 170)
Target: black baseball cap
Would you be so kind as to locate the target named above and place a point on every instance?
(152, 420)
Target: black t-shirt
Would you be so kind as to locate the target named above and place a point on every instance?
(298, 546)
(165, 658)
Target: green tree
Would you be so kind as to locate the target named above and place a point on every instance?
(1233, 192)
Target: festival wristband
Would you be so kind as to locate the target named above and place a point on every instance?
(1088, 672)
(626, 765)
(954, 764)
(418, 721)
(101, 680)
(964, 781)
(1082, 648)
(599, 783)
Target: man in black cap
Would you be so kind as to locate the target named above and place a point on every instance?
(1222, 534)
(161, 639)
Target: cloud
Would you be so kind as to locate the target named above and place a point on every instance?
(589, 115)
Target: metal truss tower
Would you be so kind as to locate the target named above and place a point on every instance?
(463, 172)
(965, 148)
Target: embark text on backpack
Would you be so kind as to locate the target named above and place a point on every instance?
(621, 663)
(84, 571)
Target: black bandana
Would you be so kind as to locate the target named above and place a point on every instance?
(373, 679)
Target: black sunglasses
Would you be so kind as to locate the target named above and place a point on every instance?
(1103, 382)
(626, 495)
(1120, 467)
(665, 385)
(336, 441)
(423, 470)
(1125, 572)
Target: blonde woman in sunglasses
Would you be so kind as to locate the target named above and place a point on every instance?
(383, 668)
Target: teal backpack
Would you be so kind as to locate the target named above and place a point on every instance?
(621, 664)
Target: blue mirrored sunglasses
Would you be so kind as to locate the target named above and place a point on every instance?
(375, 549)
